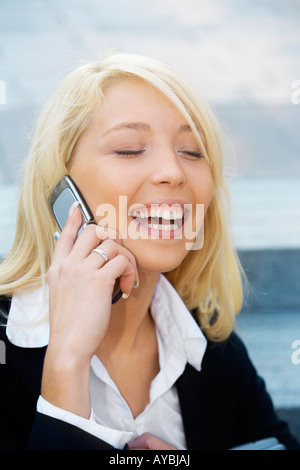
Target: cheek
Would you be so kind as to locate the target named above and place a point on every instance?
(108, 197)
(99, 184)
(209, 191)
(203, 187)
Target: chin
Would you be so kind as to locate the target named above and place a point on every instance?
(157, 255)
(159, 261)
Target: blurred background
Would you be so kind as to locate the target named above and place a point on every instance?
(244, 57)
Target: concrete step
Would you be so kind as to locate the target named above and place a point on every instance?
(271, 337)
(266, 212)
(292, 417)
(272, 279)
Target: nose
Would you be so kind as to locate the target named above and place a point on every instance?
(168, 169)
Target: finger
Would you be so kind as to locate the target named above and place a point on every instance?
(119, 267)
(65, 242)
(111, 249)
(139, 443)
(149, 442)
(90, 238)
(105, 233)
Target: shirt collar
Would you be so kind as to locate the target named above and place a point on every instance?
(28, 320)
(28, 323)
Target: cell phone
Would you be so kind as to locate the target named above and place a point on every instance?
(61, 198)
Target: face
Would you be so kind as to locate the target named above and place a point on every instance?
(139, 157)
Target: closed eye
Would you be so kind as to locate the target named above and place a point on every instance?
(191, 154)
(134, 153)
(129, 153)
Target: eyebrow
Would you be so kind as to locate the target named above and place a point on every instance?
(140, 126)
(185, 128)
(136, 126)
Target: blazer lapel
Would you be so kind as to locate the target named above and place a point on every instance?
(189, 387)
(27, 362)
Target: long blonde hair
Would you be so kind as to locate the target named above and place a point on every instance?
(208, 280)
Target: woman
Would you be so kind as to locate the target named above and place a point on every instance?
(81, 372)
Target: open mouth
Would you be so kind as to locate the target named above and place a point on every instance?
(160, 221)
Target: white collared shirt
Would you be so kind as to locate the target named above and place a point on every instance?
(180, 340)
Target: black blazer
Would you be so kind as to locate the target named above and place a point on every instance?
(223, 405)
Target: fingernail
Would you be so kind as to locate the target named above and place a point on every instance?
(125, 296)
(136, 283)
(73, 207)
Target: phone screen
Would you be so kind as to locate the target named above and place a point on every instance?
(62, 197)
(59, 208)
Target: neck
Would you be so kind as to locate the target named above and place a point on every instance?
(130, 319)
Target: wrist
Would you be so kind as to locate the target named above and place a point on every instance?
(65, 381)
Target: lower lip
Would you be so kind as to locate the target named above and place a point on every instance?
(155, 233)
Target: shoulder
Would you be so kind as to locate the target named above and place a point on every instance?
(225, 366)
(4, 312)
(22, 365)
(230, 353)
(5, 303)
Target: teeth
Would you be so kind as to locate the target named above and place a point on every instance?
(167, 215)
(167, 228)
(155, 213)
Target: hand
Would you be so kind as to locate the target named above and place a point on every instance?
(81, 285)
(149, 442)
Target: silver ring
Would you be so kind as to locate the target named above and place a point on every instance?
(102, 253)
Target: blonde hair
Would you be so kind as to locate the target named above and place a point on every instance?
(208, 280)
